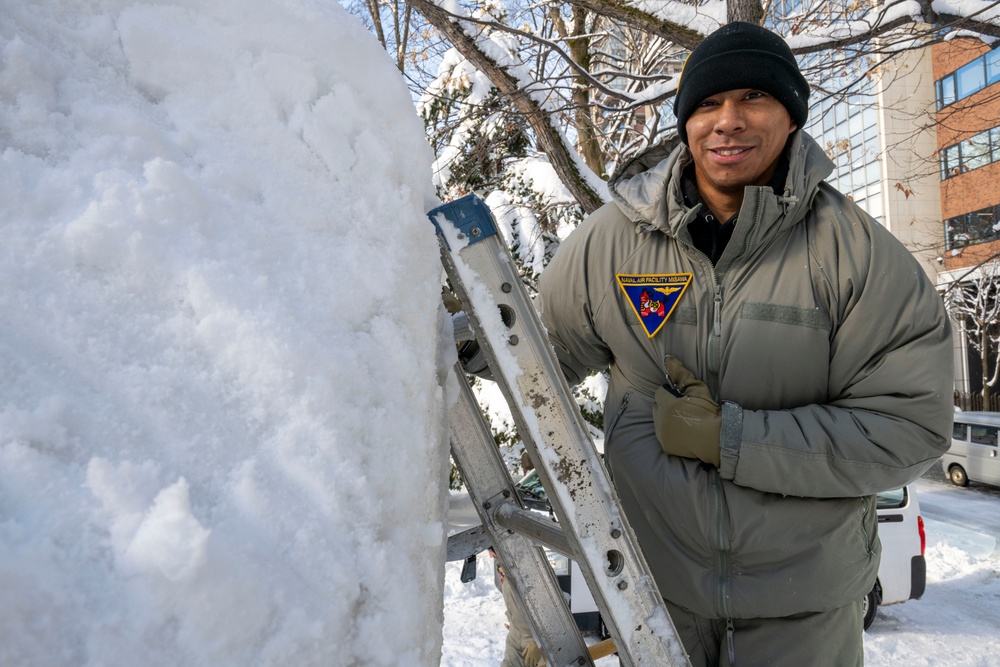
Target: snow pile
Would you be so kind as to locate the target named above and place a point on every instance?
(222, 435)
(955, 624)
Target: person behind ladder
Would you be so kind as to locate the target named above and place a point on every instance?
(776, 358)
(520, 648)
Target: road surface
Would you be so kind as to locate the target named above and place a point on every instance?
(975, 507)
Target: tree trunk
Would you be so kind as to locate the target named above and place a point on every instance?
(750, 11)
(579, 49)
(402, 45)
(984, 362)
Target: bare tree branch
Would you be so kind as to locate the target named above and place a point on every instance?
(549, 139)
(636, 18)
(975, 304)
(578, 71)
(753, 11)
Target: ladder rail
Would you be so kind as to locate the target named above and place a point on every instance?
(490, 486)
(524, 365)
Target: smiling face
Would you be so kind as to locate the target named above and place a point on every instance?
(736, 138)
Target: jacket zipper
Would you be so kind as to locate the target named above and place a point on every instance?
(714, 360)
(712, 381)
(718, 537)
(729, 642)
(717, 326)
(714, 363)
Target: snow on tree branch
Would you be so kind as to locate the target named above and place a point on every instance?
(492, 53)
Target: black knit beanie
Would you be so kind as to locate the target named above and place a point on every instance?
(741, 55)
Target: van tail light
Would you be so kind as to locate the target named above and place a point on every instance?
(923, 536)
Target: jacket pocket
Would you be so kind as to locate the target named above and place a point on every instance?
(769, 336)
(814, 318)
(611, 427)
(867, 529)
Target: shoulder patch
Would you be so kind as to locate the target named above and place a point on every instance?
(653, 296)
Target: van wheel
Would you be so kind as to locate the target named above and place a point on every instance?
(870, 603)
(957, 475)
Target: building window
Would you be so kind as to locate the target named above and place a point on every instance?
(971, 78)
(973, 153)
(951, 161)
(848, 128)
(968, 79)
(992, 67)
(971, 228)
(946, 91)
(976, 151)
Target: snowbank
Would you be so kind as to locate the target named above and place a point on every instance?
(222, 436)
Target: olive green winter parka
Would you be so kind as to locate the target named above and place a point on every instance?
(824, 340)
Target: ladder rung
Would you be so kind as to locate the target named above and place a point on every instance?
(463, 330)
(531, 576)
(543, 531)
(468, 543)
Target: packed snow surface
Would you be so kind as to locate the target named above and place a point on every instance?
(222, 415)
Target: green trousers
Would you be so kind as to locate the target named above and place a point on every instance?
(824, 639)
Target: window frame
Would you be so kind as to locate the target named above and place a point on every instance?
(964, 436)
(987, 432)
(992, 61)
(975, 72)
(946, 91)
(968, 79)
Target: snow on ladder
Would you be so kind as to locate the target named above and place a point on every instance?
(591, 528)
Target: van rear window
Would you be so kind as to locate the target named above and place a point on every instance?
(890, 500)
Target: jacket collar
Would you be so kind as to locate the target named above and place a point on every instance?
(648, 187)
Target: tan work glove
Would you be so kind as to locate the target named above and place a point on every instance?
(532, 654)
(451, 302)
(688, 422)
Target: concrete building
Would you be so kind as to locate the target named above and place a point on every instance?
(917, 144)
(880, 134)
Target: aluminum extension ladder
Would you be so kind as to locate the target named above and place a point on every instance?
(591, 528)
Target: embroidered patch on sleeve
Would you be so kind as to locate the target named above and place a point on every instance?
(653, 297)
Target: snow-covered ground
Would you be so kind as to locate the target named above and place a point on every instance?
(955, 623)
(221, 415)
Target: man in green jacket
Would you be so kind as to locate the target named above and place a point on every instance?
(776, 358)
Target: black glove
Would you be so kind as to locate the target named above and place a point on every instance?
(473, 359)
(469, 353)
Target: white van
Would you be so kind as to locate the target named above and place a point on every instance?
(973, 453)
(902, 572)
